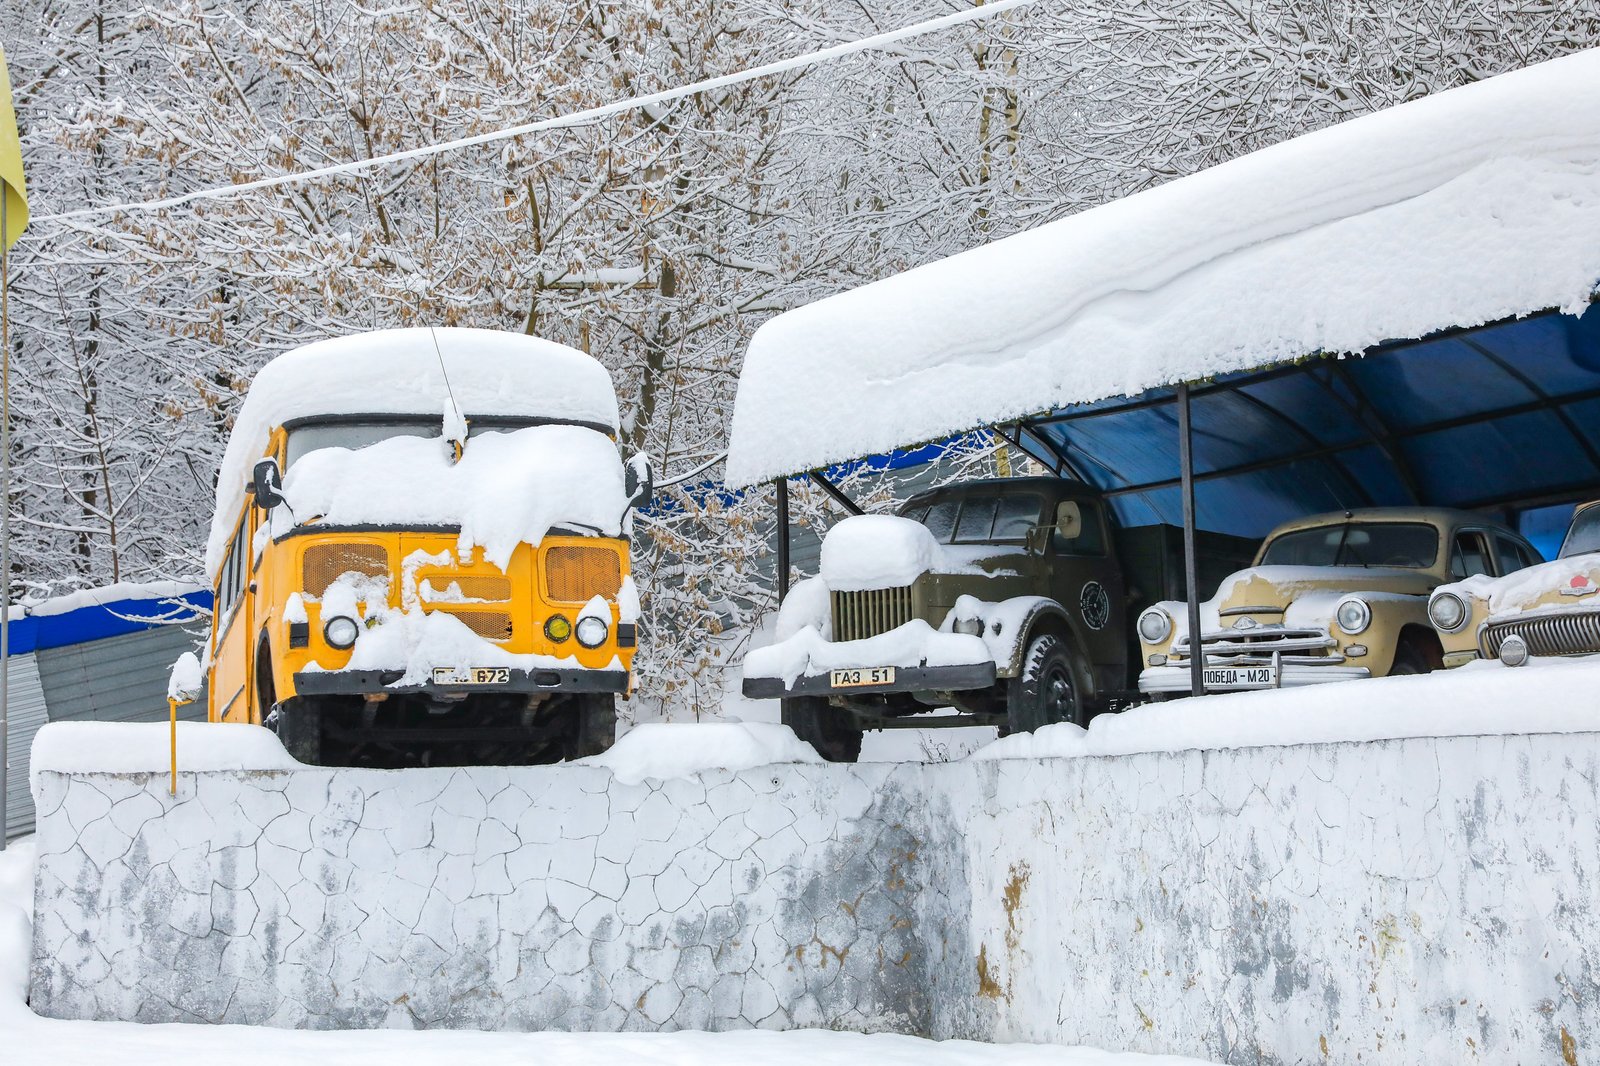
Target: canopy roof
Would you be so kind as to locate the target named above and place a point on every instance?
(1470, 207)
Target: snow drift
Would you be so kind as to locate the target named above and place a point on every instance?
(1466, 207)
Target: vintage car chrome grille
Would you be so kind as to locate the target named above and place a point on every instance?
(1561, 632)
(1257, 647)
(858, 615)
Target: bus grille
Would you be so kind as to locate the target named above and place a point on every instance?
(577, 574)
(1557, 633)
(486, 587)
(323, 564)
(858, 615)
(490, 625)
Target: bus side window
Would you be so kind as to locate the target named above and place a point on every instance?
(233, 572)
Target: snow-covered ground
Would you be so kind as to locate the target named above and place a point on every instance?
(31, 1040)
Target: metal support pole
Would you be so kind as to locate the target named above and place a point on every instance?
(781, 488)
(1191, 566)
(5, 513)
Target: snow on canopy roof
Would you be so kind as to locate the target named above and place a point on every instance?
(398, 372)
(1466, 207)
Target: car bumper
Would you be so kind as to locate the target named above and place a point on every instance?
(1168, 679)
(361, 682)
(906, 679)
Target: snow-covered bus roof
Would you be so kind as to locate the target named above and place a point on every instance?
(1466, 207)
(402, 372)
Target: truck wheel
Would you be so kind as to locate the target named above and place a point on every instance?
(299, 728)
(1044, 692)
(831, 730)
(594, 725)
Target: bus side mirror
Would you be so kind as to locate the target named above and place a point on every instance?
(266, 484)
(639, 481)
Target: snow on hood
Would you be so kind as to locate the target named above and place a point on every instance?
(508, 488)
(881, 551)
(1276, 586)
(1524, 589)
(398, 371)
(1461, 208)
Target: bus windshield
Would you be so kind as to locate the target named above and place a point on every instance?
(314, 436)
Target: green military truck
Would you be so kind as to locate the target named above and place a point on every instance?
(1009, 600)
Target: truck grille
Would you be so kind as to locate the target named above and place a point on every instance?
(1557, 633)
(1256, 647)
(858, 615)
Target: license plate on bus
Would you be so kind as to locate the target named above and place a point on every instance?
(866, 675)
(474, 675)
(1241, 677)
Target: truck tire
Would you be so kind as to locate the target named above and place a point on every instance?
(1044, 691)
(831, 730)
(299, 728)
(594, 725)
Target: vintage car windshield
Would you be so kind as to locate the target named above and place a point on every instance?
(1584, 535)
(314, 436)
(978, 519)
(1413, 545)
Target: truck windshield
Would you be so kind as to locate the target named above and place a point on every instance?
(1584, 536)
(314, 436)
(978, 519)
(1407, 544)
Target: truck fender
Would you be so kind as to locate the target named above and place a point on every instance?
(1020, 618)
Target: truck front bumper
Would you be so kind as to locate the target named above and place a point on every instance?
(362, 682)
(906, 679)
(1176, 679)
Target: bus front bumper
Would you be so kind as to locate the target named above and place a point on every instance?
(363, 682)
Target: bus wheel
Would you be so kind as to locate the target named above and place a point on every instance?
(831, 730)
(299, 728)
(593, 726)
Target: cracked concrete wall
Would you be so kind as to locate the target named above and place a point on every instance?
(1404, 901)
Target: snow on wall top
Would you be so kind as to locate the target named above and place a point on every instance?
(1461, 208)
(398, 371)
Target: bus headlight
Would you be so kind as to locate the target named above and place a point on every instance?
(1353, 616)
(1154, 625)
(592, 631)
(1447, 612)
(557, 628)
(340, 632)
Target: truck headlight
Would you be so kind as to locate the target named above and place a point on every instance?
(972, 627)
(1353, 616)
(1447, 612)
(592, 631)
(1154, 625)
(340, 631)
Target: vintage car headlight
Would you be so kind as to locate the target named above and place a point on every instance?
(1154, 625)
(1447, 612)
(972, 627)
(1353, 616)
(592, 631)
(340, 631)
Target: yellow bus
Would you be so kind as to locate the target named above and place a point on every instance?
(420, 552)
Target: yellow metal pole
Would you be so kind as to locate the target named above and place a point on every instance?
(172, 706)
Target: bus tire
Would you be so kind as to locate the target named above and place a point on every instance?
(299, 725)
(831, 730)
(594, 725)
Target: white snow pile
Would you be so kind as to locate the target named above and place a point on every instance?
(403, 371)
(186, 679)
(509, 488)
(115, 593)
(1479, 699)
(877, 551)
(658, 751)
(35, 1041)
(1314, 593)
(145, 747)
(1464, 207)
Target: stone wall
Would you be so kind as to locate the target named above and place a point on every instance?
(1401, 901)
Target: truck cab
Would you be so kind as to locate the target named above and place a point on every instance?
(1006, 599)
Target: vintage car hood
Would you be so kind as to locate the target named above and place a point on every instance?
(1560, 582)
(1275, 587)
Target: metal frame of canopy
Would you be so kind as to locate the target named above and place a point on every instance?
(1518, 384)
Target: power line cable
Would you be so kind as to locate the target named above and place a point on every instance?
(781, 66)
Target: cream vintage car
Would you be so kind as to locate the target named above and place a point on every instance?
(1549, 609)
(1332, 597)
